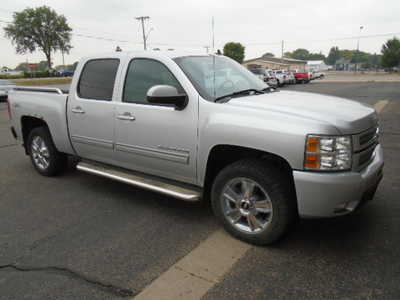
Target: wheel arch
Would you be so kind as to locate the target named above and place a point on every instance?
(222, 155)
(28, 123)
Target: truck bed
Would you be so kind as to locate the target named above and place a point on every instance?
(44, 103)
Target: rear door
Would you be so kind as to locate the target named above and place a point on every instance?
(91, 110)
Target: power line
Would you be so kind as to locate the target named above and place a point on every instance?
(98, 37)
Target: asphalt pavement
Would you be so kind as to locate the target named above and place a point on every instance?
(78, 236)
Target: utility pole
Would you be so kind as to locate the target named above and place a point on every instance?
(142, 19)
(282, 46)
(358, 48)
(213, 35)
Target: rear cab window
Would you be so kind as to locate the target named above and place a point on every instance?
(97, 79)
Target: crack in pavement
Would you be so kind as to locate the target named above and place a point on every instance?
(195, 275)
(108, 287)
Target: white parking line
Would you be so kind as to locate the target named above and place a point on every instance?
(380, 105)
(198, 271)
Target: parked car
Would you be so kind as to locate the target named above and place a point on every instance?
(318, 75)
(203, 127)
(280, 77)
(302, 77)
(265, 76)
(290, 76)
(271, 79)
(65, 73)
(259, 72)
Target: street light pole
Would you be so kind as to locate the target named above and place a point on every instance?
(358, 48)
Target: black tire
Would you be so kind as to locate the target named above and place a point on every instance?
(274, 182)
(57, 161)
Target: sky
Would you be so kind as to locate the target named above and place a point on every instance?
(260, 25)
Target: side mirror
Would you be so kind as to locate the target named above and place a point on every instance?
(167, 94)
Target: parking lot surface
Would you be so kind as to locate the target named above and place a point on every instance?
(79, 236)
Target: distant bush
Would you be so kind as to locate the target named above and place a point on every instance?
(4, 76)
(30, 75)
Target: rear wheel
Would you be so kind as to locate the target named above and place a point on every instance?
(253, 201)
(44, 155)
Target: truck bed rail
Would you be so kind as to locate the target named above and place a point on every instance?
(38, 89)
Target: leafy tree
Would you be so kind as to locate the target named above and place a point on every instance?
(218, 52)
(391, 53)
(22, 67)
(316, 56)
(268, 54)
(333, 56)
(40, 29)
(374, 61)
(234, 51)
(300, 53)
(347, 54)
(42, 66)
(304, 54)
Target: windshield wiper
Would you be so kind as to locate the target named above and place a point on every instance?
(243, 92)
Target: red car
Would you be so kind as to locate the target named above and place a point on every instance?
(302, 77)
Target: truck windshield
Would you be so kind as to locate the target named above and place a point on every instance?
(217, 76)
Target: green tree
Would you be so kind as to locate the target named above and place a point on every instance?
(333, 56)
(268, 54)
(316, 56)
(42, 66)
(234, 51)
(300, 53)
(40, 29)
(22, 67)
(391, 53)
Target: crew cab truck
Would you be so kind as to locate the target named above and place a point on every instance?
(203, 127)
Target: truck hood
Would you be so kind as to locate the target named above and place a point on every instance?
(349, 117)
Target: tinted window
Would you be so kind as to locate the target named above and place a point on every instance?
(142, 75)
(97, 79)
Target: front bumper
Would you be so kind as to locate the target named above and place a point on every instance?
(333, 194)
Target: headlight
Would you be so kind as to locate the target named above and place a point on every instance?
(328, 153)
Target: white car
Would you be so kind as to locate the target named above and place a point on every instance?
(290, 77)
(317, 75)
(280, 77)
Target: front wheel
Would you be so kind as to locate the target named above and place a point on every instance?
(44, 155)
(254, 202)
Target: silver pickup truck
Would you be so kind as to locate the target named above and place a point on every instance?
(203, 127)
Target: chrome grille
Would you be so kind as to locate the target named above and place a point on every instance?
(366, 139)
(364, 147)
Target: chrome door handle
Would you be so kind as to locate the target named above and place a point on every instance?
(126, 116)
(78, 110)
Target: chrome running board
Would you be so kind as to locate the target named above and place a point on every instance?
(143, 181)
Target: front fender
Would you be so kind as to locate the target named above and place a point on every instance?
(275, 133)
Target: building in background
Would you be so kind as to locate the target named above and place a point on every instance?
(317, 66)
(276, 63)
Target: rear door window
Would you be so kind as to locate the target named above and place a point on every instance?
(97, 79)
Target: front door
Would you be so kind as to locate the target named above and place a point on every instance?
(91, 111)
(151, 138)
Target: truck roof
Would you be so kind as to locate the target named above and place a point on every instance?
(148, 53)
